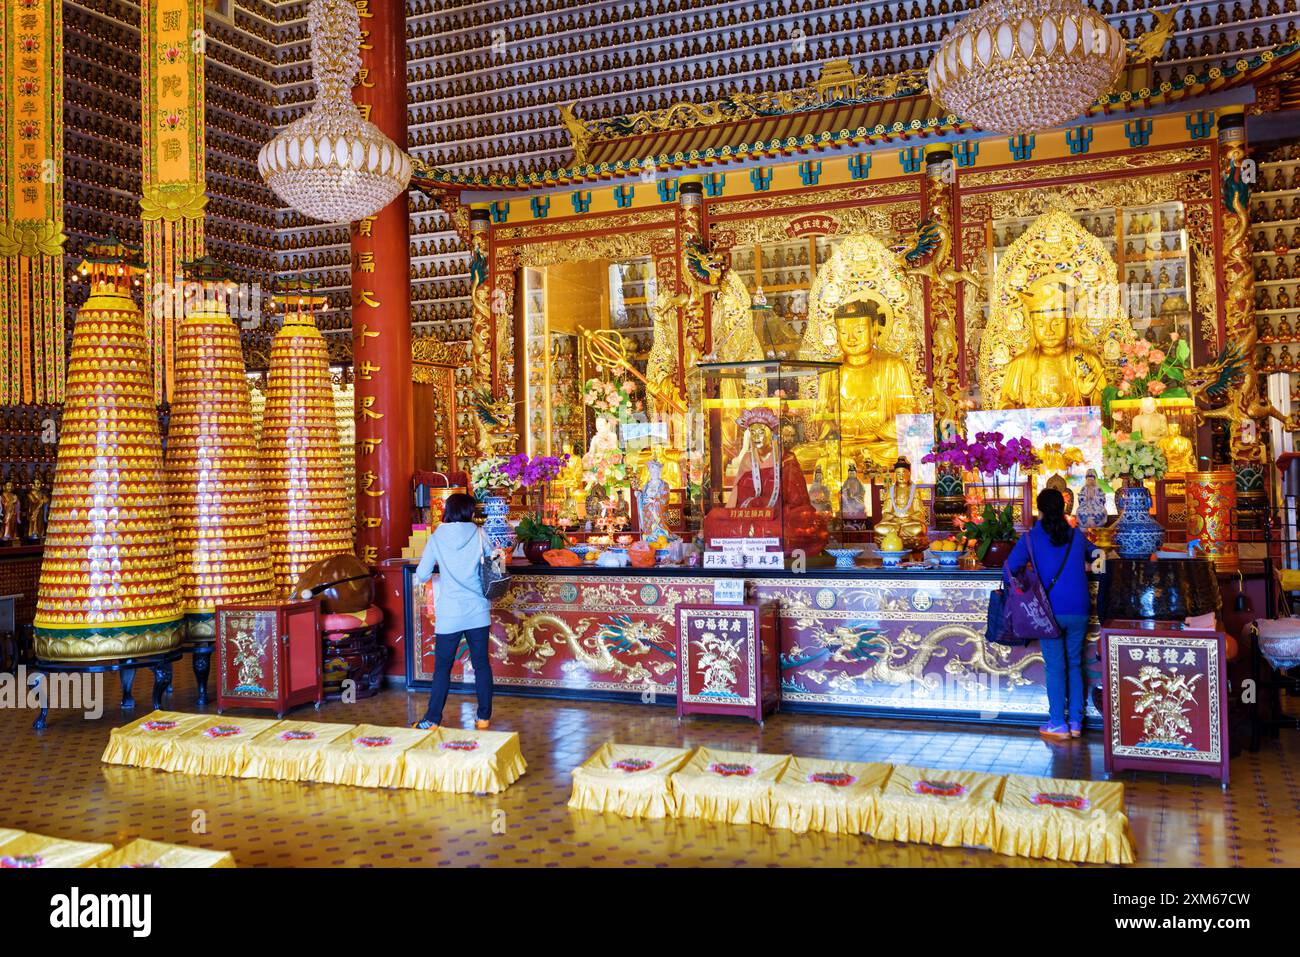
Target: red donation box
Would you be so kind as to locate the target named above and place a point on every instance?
(1166, 704)
(727, 660)
(269, 655)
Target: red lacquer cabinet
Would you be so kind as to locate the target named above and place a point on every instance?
(727, 660)
(1166, 704)
(269, 655)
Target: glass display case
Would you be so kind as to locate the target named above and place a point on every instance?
(561, 303)
(761, 440)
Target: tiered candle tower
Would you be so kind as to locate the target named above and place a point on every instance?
(308, 513)
(218, 518)
(108, 579)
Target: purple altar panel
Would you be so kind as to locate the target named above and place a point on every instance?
(875, 642)
(576, 633)
(900, 644)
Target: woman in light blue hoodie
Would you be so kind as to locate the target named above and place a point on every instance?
(460, 610)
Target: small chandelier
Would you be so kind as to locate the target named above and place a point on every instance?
(331, 164)
(1020, 66)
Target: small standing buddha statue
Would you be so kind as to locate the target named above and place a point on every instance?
(8, 512)
(902, 510)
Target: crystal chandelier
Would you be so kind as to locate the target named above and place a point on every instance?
(331, 164)
(1019, 66)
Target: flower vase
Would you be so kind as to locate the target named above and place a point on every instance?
(533, 551)
(496, 505)
(997, 554)
(1137, 534)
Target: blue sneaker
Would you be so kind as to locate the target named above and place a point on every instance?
(1076, 729)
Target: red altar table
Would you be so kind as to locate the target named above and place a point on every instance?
(1165, 698)
(727, 660)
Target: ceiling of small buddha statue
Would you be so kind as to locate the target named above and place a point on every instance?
(497, 91)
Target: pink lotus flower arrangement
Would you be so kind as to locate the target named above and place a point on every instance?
(611, 398)
(1146, 369)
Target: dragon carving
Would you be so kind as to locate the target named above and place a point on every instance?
(703, 277)
(495, 421)
(1233, 375)
(927, 252)
(621, 634)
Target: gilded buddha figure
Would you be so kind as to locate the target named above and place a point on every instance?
(902, 509)
(1054, 371)
(875, 386)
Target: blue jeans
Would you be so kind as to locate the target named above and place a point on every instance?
(445, 648)
(1063, 663)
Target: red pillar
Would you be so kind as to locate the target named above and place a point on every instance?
(381, 305)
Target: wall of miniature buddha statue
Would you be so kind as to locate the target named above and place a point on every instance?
(484, 94)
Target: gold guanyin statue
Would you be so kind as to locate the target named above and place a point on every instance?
(902, 509)
(1054, 372)
(861, 313)
(1057, 319)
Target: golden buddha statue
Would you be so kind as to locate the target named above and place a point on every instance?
(902, 509)
(875, 386)
(1052, 372)
(569, 484)
(1178, 451)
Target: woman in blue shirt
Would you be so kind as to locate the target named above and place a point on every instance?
(1059, 546)
(460, 610)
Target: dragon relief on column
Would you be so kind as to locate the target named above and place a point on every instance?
(495, 419)
(702, 271)
(480, 299)
(927, 253)
(1232, 375)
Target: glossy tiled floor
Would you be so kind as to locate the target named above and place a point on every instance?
(52, 782)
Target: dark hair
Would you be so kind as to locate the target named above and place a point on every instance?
(1051, 515)
(459, 507)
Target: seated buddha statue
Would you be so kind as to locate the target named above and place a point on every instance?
(1052, 372)
(1178, 450)
(875, 386)
(770, 496)
(1150, 421)
(902, 509)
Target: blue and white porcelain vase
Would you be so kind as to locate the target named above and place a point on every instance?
(1137, 534)
(499, 532)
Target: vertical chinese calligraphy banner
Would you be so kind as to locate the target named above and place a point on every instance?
(31, 228)
(173, 185)
(381, 305)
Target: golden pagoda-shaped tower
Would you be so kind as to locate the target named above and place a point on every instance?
(308, 513)
(218, 518)
(108, 578)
